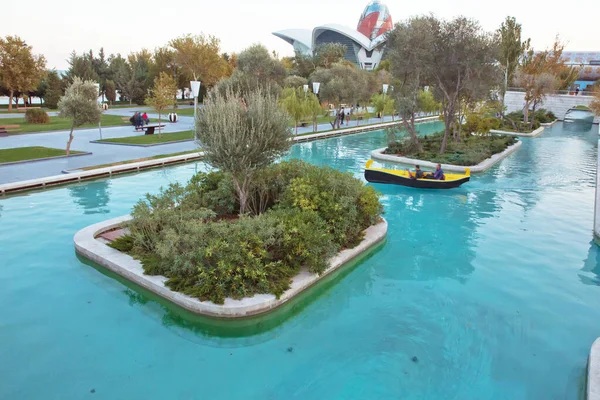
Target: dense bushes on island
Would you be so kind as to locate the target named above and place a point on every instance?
(299, 216)
(470, 150)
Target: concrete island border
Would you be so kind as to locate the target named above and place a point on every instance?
(88, 246)
(483, 166)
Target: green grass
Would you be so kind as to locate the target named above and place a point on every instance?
(58, 124)
(152, 139)
(182, 112)
(139, 159)
(31, 153)
(581, 107)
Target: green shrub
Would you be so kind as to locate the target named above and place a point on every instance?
(36, 116)
(124, 243)
(302, 215)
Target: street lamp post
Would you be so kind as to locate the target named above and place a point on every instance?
(315, 86)
(195, 86)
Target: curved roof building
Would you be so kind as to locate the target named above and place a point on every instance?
(364, 45)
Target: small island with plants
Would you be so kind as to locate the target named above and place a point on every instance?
(253, 228)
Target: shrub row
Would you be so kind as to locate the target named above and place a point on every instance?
(36, 116)
(301, 215)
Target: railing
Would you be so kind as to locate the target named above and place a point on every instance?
(563, 92)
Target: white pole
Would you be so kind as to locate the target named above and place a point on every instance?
(195, 86)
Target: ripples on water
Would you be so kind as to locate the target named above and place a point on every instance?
(492, 288)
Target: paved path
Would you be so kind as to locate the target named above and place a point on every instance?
(102, 153)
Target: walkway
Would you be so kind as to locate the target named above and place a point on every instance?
(102, 153)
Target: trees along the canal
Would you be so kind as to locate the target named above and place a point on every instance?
(20, 69)
(162, 96)
(80, 105)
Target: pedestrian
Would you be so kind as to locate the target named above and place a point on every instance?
(347, 118)
(145, 118)
(342, 116)
(576, 91)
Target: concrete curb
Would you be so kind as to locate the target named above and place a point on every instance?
(44, 159)
(548, 124)
(357, 129)
(593, 372)
(126, 266)
(141, 145)
(535, 133)
(481, 167)
(95, 173)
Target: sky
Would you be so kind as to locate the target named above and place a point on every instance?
(56, 28)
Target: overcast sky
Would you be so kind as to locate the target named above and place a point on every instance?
(56, 28)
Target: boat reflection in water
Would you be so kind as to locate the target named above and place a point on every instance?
(578, 120)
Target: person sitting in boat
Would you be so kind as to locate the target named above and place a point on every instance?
(418, 173)
(438, 174)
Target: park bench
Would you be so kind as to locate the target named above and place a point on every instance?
(149, 129)
(4, 129)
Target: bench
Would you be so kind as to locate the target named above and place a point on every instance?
(5, 129)
(149, 129)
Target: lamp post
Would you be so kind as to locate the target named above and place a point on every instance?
(385, 89)
(315, 86)
(195, 86)
(100, 105)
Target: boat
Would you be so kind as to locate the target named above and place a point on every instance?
(579, 115)
(400, 177)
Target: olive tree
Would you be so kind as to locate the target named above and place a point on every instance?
(293, 101)
(80, 105)
(242, 135)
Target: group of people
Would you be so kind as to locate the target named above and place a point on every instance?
(419, 174)
(139, 120)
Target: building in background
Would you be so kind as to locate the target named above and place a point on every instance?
(364, 45)
(589, 62)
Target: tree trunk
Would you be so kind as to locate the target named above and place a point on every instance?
(70, 139)
(130, 100)
(159, 131)
(10, 99)
(532, 116)
(526, 112)
(411, 130)
(296, 128)
(447, 121)
(242, 191)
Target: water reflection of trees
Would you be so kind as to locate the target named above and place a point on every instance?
(591, 266)
(92, 197)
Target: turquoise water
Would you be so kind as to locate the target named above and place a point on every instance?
(493, 287)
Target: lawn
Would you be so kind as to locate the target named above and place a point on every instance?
(58, 124)
(30, 153)
(138, 160)
(152, 139)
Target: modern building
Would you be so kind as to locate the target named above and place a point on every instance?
(589, 61)
(364, 45)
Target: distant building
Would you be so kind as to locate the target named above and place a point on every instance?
(589, 61)
(364, 45)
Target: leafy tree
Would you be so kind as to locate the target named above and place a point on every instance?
(256, 61)
(383, 104)
(165, 61)
(20, 69)
(341, 83)
(542, 73)
(314, 108)
(161, 97)
(141, 63)
(303, 64)
(293, 101)
(128, 83)
(328, 54)
(512, 48)
(242, 135)
(80, 105)
(111, 91)
(54, 90)
(456, 57)
(82, 67)
(200, 58)
(294, 81)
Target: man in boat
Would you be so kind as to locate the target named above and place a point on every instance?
(438, 174)
(418, 173)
